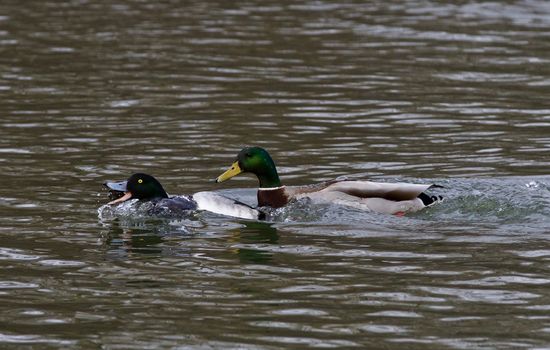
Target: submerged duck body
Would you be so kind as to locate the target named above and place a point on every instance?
(389, 198)
(149, 190)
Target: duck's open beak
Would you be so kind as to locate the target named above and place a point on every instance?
(116, 186)
(124, 198)
(118, 192)
(229, 173)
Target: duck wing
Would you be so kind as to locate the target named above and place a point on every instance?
(304, 190)
(368, 189)
(219, 204)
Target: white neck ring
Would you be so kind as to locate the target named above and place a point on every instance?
(270, 188)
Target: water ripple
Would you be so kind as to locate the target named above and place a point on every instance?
(484, 295)
(452, 93)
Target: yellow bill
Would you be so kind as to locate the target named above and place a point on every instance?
(229, 173)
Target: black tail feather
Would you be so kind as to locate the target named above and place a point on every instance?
(429, 200)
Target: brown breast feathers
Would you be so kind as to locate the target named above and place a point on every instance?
(274, 198)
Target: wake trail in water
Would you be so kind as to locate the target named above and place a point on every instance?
(502, 205)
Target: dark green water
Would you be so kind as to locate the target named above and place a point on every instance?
(396, 90)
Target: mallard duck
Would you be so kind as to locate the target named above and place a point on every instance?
(390, 198)
(146, 188)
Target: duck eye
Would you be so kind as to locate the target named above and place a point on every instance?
(248, 155)
(140, 181)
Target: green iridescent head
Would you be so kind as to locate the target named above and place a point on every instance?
(254, 160)
(140, 186)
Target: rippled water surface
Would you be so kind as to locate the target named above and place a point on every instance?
(421, 91)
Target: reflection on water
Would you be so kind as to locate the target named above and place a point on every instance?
(398, 90)
(133, 241)
(249, 240)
